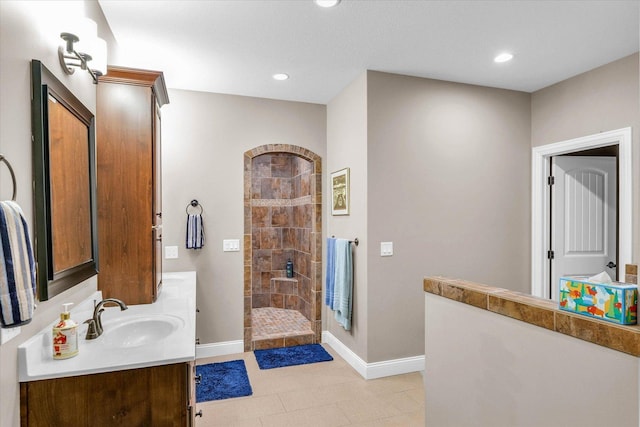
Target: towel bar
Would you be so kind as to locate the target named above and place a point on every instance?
(355, 241)
(13, 176)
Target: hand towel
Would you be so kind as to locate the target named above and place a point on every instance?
(330, 278)
(17, 267)
(195, 231)
(343, 291)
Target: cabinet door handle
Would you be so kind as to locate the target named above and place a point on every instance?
(199, 413)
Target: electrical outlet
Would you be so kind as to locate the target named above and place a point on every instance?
(171, 252)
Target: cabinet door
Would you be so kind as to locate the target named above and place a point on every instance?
(153, 396)
(125, 178)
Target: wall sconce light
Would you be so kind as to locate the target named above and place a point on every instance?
(83, 49)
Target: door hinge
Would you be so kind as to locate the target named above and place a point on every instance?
(551, 180)
(550, 254)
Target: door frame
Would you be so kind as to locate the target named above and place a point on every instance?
(540, 222)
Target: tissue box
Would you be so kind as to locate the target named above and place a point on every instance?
(616, 302)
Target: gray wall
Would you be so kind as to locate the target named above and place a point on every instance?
(449, 186)
(602, 99)
(204, 137)
(347, 147)
(28, 30)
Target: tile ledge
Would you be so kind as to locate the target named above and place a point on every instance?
(591, 330)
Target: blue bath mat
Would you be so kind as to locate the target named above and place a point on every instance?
(289, 356)
(222, 381)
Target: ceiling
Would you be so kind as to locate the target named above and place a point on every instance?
(235, 47)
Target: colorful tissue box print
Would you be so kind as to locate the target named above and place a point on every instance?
(615, 302)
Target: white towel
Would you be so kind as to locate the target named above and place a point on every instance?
(17, 267)
(195, 231)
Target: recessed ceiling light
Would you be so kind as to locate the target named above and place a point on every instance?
(281, 76)
(503, 57)
(327, 3)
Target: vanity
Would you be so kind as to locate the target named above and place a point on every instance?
(140, 371)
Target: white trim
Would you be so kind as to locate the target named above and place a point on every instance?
(540, 199)
(219, 349)
(374, 370)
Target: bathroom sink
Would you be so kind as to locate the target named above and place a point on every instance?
(136, 331)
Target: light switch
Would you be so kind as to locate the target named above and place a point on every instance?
(231, 245)
(386, 248)
(171, 252)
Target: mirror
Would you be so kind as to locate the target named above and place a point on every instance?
(64, 175)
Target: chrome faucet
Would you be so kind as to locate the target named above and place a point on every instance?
(95, 323)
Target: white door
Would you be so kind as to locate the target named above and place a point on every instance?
(583, 217)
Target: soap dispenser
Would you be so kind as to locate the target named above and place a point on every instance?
(65, 335)
(289, 268)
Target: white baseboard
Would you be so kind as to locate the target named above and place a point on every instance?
(374, 370)
(219, 349)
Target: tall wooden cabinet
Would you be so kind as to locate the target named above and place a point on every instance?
(129, 183)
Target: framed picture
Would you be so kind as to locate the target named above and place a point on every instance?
(340, 192)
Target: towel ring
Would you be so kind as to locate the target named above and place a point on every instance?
(13, 176)
(194, 204)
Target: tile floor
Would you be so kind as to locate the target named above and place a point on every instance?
(271, 322)
(317, 395)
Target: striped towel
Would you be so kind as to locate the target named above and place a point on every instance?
(17, 268)
(195, 231)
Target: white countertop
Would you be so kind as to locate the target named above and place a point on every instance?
(177, 300)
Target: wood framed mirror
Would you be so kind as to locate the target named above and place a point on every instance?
(64, 177)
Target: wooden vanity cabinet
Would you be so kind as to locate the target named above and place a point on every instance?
(129, 183)
(159, 396)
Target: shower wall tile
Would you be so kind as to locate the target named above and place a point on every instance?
(282, 285)
(302, 264)
(248, 343)
(247, 250)
(261, 166)
(281, 166)
(277, 301)
(256, 187)
(255, 238)
(280, 258)
(281, 216)
(260, 216)
(289, 237)
(261, 260)
(247, 310)
(305, 185)
(261, 300)
(271, 238)
(295, 183)
(304, 288)
(291, 302)
(304, 240)
(247, 219)
(317, 216)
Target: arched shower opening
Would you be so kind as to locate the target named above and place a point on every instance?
(282, 221)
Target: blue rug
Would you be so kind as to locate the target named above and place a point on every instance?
(289, 356)
(222, 381)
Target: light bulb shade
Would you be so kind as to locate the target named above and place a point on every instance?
(98, 51)
(87, 31)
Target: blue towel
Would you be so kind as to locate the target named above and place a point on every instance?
(343, 291)
(330, 279)
(195, 231)
(17, 268)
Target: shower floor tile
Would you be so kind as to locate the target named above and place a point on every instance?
(270, 322)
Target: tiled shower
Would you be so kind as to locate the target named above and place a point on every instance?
(282, 222)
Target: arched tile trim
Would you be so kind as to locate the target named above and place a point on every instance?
(316, 242)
